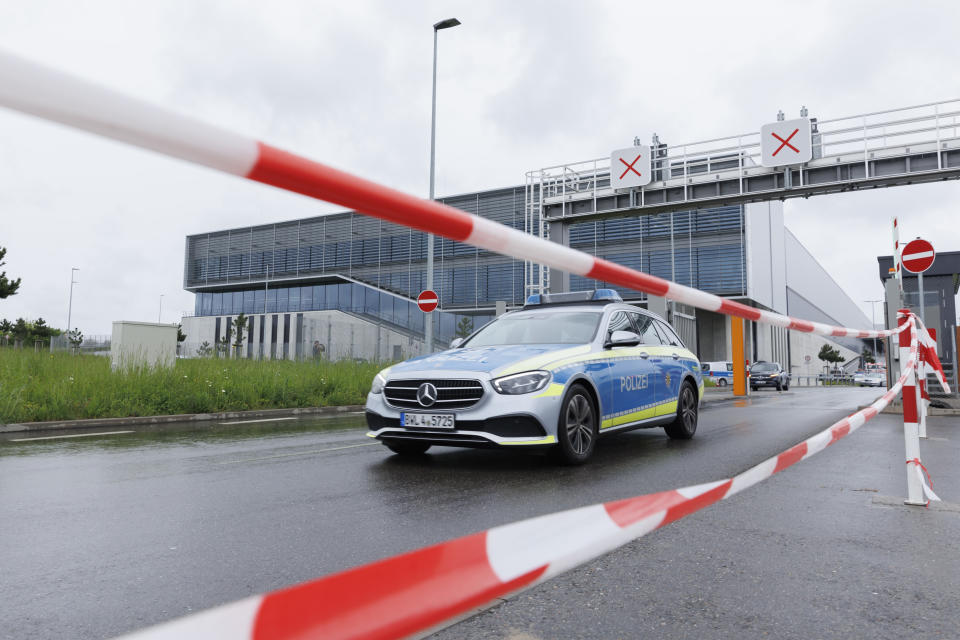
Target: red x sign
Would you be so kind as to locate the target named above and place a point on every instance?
(630, 167)
(785, 143)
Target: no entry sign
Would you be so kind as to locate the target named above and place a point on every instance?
(785, 142)
(918, 256)
(427, 301)
(630, 167)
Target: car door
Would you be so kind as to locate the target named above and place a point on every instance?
(649, 354)
(670, 368)
(629, 388)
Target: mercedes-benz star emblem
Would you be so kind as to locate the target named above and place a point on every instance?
(426, 394)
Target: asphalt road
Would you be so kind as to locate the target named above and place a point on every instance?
(102, 535)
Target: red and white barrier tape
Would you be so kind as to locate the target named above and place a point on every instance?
(420, 590)
(53, 95)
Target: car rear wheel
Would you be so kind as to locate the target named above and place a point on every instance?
(408, 447)
(578, 427)
(685, 424)
(721, 382)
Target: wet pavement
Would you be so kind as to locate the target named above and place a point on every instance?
(104, 534)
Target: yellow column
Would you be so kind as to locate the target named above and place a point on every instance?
(739, 361)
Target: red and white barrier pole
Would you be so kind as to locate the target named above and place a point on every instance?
(911, 436)
(923, 398)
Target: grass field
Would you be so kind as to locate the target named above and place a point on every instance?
(41, 386)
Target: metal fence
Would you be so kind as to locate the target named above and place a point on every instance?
(94, 344)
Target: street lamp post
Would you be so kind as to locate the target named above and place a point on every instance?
(73, 270)
(428, 320)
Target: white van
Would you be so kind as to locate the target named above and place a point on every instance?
(721, 373)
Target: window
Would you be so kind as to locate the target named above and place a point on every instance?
(294, 299)
(574, 327)
(645, 329)
(669, 336)
(619, 321)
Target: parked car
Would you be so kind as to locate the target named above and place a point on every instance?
(872, 379)
(558, 374)
(768, 374)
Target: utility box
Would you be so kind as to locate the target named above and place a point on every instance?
(139, 344)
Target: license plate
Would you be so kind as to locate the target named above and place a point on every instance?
(434, 420)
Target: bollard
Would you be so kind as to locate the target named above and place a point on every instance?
(911, 436)
(739, 359)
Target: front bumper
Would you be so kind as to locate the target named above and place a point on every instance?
(764, 382)
(496, 420)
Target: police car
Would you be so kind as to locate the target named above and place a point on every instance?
(558, 374)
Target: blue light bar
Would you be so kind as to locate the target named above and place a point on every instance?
(607, 294)
(573, 297)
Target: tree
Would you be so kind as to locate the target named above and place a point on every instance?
(464, 327)
(7, 287)
(181, 336)
(75, 337)
(21, 330)
(240, 323)
(205, 350)
(223, 346)
(5, 330)
(867, 355)
(829, 354)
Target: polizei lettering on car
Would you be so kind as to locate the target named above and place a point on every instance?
(633, 383)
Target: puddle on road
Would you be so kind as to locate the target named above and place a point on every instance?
(207, 432)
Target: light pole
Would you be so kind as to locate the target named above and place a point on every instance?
(70, 305)
(160, 311)
(873, 322)
(428, 320)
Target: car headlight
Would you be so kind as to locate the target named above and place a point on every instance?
(378, 382)
(518, 383)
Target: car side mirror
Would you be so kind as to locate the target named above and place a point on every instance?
(456, 342)
(622, 339)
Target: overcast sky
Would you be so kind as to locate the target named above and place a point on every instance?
(522, 85)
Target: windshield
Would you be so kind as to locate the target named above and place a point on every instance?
(764, 367)
(574, 327)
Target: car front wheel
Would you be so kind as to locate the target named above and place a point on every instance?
(685, 424)
(578, 427)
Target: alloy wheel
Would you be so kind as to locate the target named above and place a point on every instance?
(688, 408)
(579, 424)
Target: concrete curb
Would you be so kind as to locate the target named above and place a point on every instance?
(183, 417)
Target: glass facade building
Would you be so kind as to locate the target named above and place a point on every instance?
(375, 269)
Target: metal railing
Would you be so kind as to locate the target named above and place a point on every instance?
(928, 128)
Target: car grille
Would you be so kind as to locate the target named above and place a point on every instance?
(451, 394)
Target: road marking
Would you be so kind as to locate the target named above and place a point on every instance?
(75, 435)
(300, 453)
(263, 420)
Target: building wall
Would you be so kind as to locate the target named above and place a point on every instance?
(342, 336)
(765, 254)
(809, 280)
